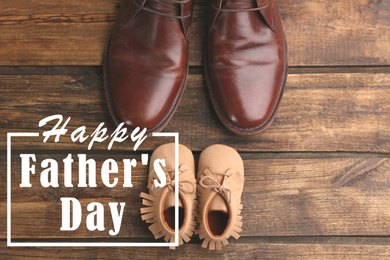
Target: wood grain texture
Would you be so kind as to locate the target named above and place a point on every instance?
(282, 197)
(316, 181)
(319, 32)
(319, 112)
(259, 250)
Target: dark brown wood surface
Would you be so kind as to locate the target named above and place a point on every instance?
(259, 248)
(319, 32)
(291, 195)
(319, 112)
(317, 181)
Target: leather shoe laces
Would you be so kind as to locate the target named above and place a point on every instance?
(214, 185)
(170, 183)
(220, 9)
(166, 3)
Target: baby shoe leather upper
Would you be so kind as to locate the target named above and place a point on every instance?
(159, 204)
(220, 185)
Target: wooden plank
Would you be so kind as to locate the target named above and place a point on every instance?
(282, 197)
(319, 32)
(194, 251)
(85, 70)
(319, 112)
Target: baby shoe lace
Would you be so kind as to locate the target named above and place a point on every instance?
(216, 186)
(170, 183)
(220, 9)
(166, 3)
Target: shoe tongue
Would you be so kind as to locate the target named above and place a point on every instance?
(170, 201)
(164, 7)
(218, 204)
(238, 4)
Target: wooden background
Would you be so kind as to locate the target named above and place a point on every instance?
(317, 180)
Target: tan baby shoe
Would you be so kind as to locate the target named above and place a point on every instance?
(220, 185)
(160, 202)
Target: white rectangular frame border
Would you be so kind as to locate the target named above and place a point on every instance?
(91, 244)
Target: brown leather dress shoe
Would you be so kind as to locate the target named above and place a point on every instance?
(146, 62)
(245, 62)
